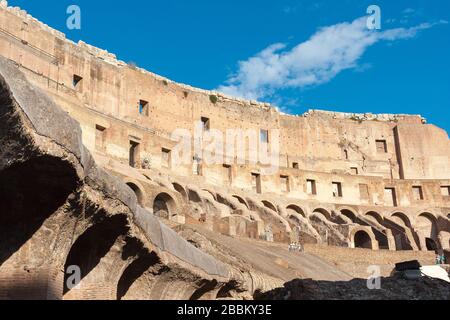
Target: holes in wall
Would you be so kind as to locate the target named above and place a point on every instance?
(144, 108)
(228, 173)
(362, 240)
(390, 197)
(295, 165)
(417, 193)
(445, 191)
(134, 156)
(285, 186)
(77, 82)
(311, 187)
(206, 124)
(100, 138)
(337, 189)
(381, 146)
(138, 192)
(354, 171)
(256, 182)
(166, 156)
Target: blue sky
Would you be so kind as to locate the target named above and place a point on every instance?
(298, 55)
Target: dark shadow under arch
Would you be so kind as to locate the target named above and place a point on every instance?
(194, 197)
(205, 287)
(241, 200)
(164, 206)
(349, 214)
(94, 244)
(179, 188)
(404, 218)
(362, 240)
(138, 192)
(324, 213)
(431, 245)
(134, 271)
(297, 209)
(376, 216)
(31, 192)
(269, 205)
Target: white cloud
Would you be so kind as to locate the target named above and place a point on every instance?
(328, 52)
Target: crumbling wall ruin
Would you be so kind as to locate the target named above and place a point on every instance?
(58, 209)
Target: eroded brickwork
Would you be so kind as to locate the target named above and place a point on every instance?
(348, 180)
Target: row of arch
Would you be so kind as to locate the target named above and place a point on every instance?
(399, 223)
(425, 222)
(163, 204)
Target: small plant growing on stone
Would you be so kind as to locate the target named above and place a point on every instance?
(213, 98)
(132, 65)
(186, 94)
(165, 82)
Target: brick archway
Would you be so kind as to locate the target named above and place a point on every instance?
(138, 190)
(363, 237)
(164, 206)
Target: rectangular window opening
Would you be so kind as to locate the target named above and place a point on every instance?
(337, 189)
(445, 191)
(228, 173)
(100, 137)
(311, 187)
(206, 123)
(418, 193)
(256, 182)
(166, 158)
(285, 187)
(143, 108)
(134, 154)
(381, 146)
(390, 197)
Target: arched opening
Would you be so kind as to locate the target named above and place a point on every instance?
(127, 284)
(179, 188)
(362, 240)
(401, 219)
(296, 209)
(448, 216)
(375, 216)
(426, 224)
(194, 197)
(349, 214)
(324, 213)
(164, 206)
(242, 201)
(226, 201)
(431, 244)
(269, 205)
(29, 194)
(87, 252)
(205, 288)
(138, 192)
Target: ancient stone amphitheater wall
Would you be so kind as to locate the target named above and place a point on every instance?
(357, 180)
